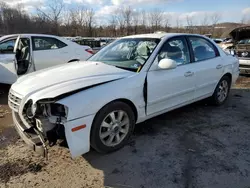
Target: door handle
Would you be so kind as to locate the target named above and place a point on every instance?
(189, 73)
(219, 66)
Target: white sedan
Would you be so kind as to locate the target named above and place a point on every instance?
(135, 78)
(36, 52)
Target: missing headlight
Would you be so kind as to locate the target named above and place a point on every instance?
(48, 107)
(28, 109)
(57, 110)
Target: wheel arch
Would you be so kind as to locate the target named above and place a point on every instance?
(228, 74)
(126, 101)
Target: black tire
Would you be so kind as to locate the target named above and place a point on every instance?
(95, 139)
(215, 98)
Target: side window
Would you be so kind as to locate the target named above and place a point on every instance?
(202, 48)
(175, 49)
(46, 43)
(7, 46)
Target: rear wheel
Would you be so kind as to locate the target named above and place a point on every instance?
(112, 127)
(222, 91)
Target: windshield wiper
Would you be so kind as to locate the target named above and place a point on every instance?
(126, 68)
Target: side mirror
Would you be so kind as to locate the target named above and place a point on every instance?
(167, 64)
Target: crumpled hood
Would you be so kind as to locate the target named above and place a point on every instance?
(58, 80)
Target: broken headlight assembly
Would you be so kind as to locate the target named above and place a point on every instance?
(47, 117)
(48, 108)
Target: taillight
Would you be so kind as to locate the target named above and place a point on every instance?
(89, 50)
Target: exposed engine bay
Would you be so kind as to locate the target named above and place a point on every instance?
(240, 43)
(46, 118)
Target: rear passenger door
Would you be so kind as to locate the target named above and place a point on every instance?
(208, 66)
(48, 52)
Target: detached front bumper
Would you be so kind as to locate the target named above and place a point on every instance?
(29, 136)
(78, 139)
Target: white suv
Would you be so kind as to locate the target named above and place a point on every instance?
(35, 52)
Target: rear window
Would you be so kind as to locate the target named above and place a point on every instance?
(46, 43)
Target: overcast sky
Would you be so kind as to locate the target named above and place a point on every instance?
(230, 10)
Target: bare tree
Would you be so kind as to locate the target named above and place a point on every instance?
(215, 18)
(113, 24)
(155, 19)
(89, 21)
(204, 24)
(177, 23)
(135, 21)
(120, 20)
(190, 23)
(67, 22)
(80, 21)
(126, 15)
(142, 21)
(166, 22)
(143, 18)
(52, 13)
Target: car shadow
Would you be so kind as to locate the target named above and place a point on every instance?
(245, 75)
(164, 150)
(4, 90)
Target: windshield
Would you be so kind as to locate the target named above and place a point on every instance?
(130, 54)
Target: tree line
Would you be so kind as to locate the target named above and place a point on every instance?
(80, 21)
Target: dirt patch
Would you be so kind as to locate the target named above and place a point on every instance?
(243, 82)
(17, 168)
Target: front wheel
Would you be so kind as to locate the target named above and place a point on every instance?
(222, 91)
(112, 127)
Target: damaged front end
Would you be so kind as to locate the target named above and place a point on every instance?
(41, 124)
(48, 118)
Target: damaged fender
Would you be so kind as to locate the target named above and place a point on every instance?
(78, 139)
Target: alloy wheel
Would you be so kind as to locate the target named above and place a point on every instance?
(222, 91)
(114, 128)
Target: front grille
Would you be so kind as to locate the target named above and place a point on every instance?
(14, 101)
(244, 66)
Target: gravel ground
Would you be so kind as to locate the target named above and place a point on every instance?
(195, 146)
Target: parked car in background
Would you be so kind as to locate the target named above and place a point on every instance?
(127, 82)
(36, 52)
(218, 41)
(95, 43)
(241, 45)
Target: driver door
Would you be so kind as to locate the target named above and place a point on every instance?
(23, 57)
(171, 88)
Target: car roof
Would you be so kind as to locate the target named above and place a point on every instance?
(161, 35)
(26, 35)
(68, 42)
